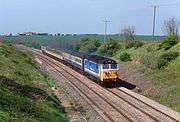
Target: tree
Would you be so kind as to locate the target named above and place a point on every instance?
(128, 33)
(109, 48)
(88, 45)
(171, 26)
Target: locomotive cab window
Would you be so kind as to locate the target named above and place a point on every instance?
(113, 66)
(105, 66)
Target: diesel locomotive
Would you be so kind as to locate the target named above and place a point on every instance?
(103, 71)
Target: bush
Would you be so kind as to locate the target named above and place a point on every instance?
(169, 56)
(161, 63)
(129, 45)
(135, 44)
(149, 60)
(109, 48)
(88, 45)
(138, 44)
(165, 58)
(169, 42)
(150, 49)
(125, 57)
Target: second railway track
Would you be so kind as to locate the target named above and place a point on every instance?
(153, 109)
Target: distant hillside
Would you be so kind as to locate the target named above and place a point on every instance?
(24, 93)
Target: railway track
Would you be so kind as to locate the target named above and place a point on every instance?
(102, 106)
(112, 104)
(152, 108)
(86, 97)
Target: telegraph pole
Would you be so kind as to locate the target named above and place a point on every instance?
(105, 21)
(154, 11)
(154, 19)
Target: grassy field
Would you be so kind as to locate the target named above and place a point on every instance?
(46, 39)
(25, 93)
(163, 85)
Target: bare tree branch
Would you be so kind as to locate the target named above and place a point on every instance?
(171, 26)
(128, 33)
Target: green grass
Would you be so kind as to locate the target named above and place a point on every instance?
(170, 77)
(45, 39)
(165, 82)
(137, 54)
(24, 91)
(50, 82)
(74, 105)
(62, 91)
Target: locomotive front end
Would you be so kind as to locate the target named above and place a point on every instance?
(109, 74)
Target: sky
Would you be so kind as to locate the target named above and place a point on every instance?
(84, 16)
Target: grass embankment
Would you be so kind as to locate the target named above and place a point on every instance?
(164, 84)
(25, 93)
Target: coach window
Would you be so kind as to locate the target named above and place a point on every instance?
(105, 66)
(78, 60)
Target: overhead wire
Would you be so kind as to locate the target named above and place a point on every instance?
(173, 4)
